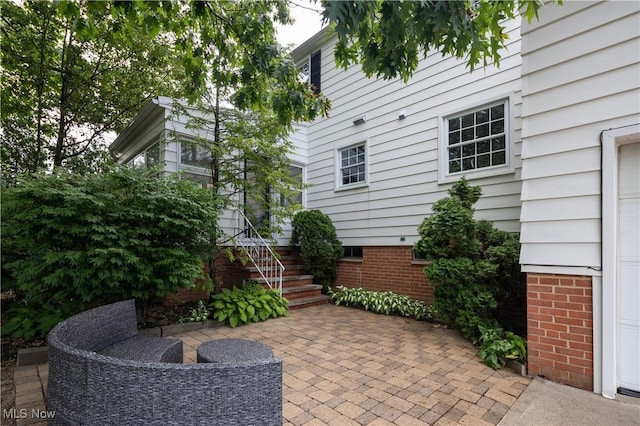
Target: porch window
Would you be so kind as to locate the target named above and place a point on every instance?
(295, 172)
(149, 157)
(153, 155)
(476, 139)
(193, 154)
(352, 165)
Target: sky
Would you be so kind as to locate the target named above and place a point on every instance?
(307, 22)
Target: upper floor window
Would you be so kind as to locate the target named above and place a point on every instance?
(153, 155)
(193, 154)
(353, 165)
(149, 157)
(309, 71)
(476, 139)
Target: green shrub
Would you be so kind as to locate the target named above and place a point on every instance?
(382, 302)
(252, 303)
(496, 347)
(474, 266)
(314, 237)
(71, 242)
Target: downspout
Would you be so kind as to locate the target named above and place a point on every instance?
(596, 282)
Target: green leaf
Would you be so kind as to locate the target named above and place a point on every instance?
(234, 320)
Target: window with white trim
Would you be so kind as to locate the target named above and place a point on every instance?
(147, 158)
(353, 167)
(476, 139)
(194, 154)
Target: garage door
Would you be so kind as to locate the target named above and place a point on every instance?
(629, 266)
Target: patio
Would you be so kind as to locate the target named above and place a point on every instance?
(347, 366)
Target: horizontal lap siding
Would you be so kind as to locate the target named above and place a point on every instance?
(403, 153)
(581, 75)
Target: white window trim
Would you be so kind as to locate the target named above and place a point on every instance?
(443, 154)
(338, 166)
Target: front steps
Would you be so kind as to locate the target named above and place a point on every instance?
(297, 286)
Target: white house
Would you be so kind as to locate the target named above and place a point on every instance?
(550, 137)
(580, 193)
(389, 150)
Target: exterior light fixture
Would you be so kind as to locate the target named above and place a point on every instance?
(359, 120)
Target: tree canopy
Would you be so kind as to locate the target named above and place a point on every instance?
(387, 37)
(74, 71)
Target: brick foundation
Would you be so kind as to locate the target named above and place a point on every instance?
(381, 269)
(384, 269)
(560, 328)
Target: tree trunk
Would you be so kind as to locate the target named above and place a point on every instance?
(35, 166)
(65, 75)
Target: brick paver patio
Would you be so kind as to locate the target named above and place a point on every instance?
(346, 366)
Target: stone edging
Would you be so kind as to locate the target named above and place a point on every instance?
(39, 355)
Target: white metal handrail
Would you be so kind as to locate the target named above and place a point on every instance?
(260, 253)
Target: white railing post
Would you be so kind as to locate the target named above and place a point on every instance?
(264, 259)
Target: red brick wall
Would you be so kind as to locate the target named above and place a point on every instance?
(185, 295)
(228, 274)
(560, 328)
(384, 269)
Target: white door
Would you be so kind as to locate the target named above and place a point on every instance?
(628, 266)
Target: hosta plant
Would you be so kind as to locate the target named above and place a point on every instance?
(198, 314)
(497, 347)
(386, 302)
(251, 303)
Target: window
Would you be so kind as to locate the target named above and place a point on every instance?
(153, 155)
(296, 173)
(352, 252)
(149, 157)
(193, 154)
(417, 256)
(309, 71)
(352, 165)
(476, 140)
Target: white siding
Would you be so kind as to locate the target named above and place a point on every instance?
(403, 153)
(581, 75)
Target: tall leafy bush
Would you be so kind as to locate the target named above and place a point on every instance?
(314, 237)
(72, 241)
(474, 266)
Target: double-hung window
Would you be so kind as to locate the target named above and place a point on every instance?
(476, 140)
(352, 163)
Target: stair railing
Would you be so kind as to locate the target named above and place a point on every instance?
(259, 252)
